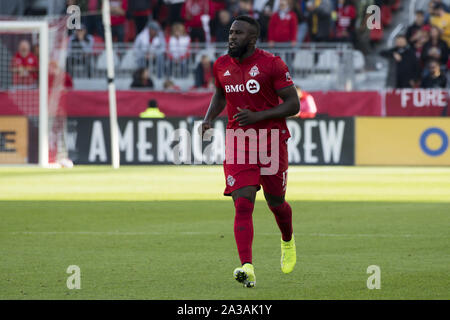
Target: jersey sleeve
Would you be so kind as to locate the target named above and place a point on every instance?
(281, 78)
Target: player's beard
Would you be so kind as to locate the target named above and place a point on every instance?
(238, 51)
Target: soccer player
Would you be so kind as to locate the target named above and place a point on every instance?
(249, 82)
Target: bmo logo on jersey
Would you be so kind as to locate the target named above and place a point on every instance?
(252, 87)
(234, 88)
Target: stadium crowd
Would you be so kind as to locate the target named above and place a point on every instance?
(163, 33)
(420, 57)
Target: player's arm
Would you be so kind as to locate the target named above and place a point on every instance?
(218, 103)
(289, 107)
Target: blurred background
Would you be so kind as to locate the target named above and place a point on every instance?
(376, 58)
(326, 43)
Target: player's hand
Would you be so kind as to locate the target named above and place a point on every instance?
(206, 125)
(246, 117)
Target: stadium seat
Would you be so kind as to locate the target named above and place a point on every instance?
(358, 60)
(304, 59)
(328, 60)
(101, 61)
(128, 61)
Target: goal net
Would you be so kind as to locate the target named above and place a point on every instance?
(32, 91)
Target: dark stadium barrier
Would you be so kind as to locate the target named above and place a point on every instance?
(130, 103)
(327, 141)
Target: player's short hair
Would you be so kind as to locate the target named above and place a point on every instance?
(251, 21)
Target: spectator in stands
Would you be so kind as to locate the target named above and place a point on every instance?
(245, 8)
(141, 79)
(283, 25)
(222, 26)
(435, 48)
(283, 30)
(139, 11)
(435, 78)
(233, 7)
(169, 85)
(149, 47)
(345, 23)
(319, 19)
(178, 49)
(423, 36)
(92, 17)
(118, 17)
(299, 8)
(191, 11)
(174, 7)
(25, 65)
(362, 33)
(204, 77)
(404, 67)
(412, 33)
(80, 49)
(440, 2)
(263, 19)
(441, 19)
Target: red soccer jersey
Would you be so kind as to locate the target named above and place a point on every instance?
(283, 29)
(29, 69)
(115, 19)
(252, 84)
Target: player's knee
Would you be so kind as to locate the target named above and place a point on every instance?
(248, 193)
(274, 201)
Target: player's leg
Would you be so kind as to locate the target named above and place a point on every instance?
(274, 187)
(283, 215)
(244, 199)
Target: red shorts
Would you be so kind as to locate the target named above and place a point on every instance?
(272, 176)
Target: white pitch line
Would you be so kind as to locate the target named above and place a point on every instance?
(112, 233)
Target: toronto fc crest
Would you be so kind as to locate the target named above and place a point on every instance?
(254, 71)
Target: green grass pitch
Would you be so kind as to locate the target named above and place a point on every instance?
(166, 232)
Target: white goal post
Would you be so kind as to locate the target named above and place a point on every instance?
(42, 28)
(114, 127)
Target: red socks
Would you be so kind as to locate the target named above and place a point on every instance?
(283, 216)
(243, 229)
(243, 226)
